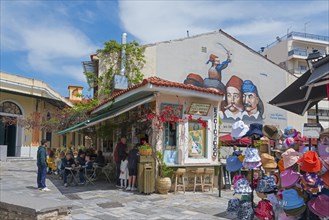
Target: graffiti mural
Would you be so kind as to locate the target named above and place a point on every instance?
(242, 100)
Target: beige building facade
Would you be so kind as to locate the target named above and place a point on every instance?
(21, 98)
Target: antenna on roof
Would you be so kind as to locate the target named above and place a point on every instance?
(188, 33)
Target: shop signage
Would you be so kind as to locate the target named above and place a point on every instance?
(312, 130)
(215, 144)
(199, 109)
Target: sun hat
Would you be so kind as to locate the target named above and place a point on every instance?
(325, 178)
(268, 161)
(291, 199)
(276, 177)
(323, 149)
(310, 162)
(319, 206)
(311, 182)
(303, 149)
(290, 132)
(246, 211)
(239, 129)
(233, 206)
(295, 212)
(325, 162)
(251, 165)
(290, 157)
(283, 216)
(236, 178)
(289, 142)
(271, 132)
(266, 184)
(289, 178)
(261, 195)
(264, 210)
(251, 155)
(233, 164)
(242, 187)
(281, 165)
(255, 129)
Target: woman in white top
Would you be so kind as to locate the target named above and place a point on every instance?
(124, 172)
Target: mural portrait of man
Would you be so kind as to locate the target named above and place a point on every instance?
(252, 103)
(232, 107)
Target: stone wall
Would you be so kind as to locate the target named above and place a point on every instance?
(13, 213)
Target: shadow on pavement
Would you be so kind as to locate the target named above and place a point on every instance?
(99, 184)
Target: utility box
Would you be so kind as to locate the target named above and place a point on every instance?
(146, 174)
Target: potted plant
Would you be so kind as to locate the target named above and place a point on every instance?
(165, 173)
(145, 150)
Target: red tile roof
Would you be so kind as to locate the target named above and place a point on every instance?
(161, 83)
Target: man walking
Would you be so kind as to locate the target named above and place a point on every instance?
(119, 153)
(42, 166)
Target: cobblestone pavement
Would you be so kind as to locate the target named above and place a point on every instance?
(104, 201)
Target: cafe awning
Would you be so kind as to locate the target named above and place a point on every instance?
(115, 110)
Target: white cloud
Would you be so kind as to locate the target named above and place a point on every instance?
(256, 22)
(51, 43)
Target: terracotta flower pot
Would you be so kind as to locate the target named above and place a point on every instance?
(164, 185)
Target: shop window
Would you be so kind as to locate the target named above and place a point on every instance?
(170, 143)
(197, 140)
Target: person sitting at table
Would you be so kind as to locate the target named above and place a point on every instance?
(58, 162)
(68, 161)
(100, 159)
(81, 162)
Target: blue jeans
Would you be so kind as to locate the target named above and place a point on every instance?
(41, 178)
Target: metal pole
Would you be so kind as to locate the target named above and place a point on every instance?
(317, 112)
(220, 181)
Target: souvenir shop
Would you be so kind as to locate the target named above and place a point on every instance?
(289, 175)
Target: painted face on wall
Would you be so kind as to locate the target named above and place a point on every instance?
(234, 99)
(250, 102)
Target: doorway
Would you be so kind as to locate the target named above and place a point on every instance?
(8, 137)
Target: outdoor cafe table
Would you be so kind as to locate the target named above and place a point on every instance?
(74, 171)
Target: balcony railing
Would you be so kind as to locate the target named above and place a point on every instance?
(309, 36)
(302, 52)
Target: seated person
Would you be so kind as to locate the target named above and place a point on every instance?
(68, 161)
(51, 162)
(100, 159)
(89, 163)
(81, 162)
(58, 161)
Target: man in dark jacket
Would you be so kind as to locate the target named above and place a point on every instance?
(119, 153)
(68, 161)
(42, 166)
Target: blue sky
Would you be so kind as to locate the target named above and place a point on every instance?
(48, 40)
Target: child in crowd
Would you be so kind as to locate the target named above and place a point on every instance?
(124, 172)
(132, 167)
(51, 162)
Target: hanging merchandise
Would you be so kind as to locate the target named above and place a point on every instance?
(251, 159)
(290, 132)
(268, 161)
(236, 178)
(325, 178)
(281, 165)
(255, 130)
(319, 206)
(233, 206)
(292, 203)
(245, 211)
(267, 185)
(290, 157)
(242, 187)
(289, 142)
(311, 182)
(310, 162)
(289, 178)
(233, 163)
(264, 210)
(325, 162)
(239, 129)
(272, 132)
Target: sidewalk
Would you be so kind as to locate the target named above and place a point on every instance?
(104, 201)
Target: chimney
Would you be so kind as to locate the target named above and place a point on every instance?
(123, 54)
(75, 93)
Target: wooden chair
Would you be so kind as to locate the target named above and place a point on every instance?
(208, 178)
(179, 175)
(198, 178)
